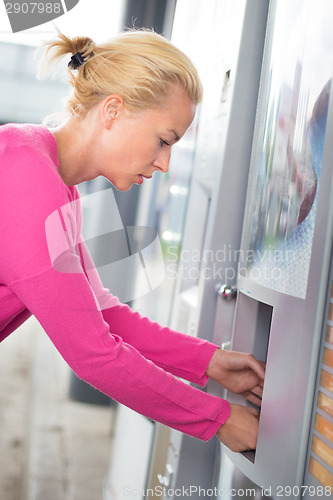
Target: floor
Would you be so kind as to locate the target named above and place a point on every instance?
(51, 447)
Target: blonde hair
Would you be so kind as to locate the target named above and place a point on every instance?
(139, 65)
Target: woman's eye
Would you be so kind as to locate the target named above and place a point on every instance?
(164, 143)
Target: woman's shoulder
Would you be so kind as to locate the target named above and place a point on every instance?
(29, 177)
(29, 140)
(29, 161)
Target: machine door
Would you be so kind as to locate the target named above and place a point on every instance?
(286, 242)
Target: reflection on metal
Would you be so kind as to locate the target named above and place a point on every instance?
(170, 236)
(226, 346)
(166, 480)
(178, 190)
(236, 485)
(226, 292)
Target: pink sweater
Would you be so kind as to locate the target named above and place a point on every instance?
(126, 356)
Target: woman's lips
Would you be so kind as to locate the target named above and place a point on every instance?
(141, 177)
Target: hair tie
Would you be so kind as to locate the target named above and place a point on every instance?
(76, 61)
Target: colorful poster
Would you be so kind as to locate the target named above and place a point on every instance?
(288, 156)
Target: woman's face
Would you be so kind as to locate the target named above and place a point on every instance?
(133, 146)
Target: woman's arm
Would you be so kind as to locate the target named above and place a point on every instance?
(65, 306)
(188, 357)
(180, 354)
(63, 301)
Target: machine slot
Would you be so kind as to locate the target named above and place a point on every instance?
(251, 334)
(263, 329)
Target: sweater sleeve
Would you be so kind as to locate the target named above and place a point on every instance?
(64, 303)
(183, 355)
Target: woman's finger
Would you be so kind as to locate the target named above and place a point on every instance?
(257, 366)
(253, 398)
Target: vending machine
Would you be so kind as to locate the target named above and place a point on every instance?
(283, 309)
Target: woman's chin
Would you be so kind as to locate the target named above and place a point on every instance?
(121, 186)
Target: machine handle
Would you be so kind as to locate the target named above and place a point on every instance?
(226, 292)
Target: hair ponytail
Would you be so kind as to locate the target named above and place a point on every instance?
(55, 50)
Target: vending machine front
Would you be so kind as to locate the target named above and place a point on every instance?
(283, 271)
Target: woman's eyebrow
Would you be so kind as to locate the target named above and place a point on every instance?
(175, 133)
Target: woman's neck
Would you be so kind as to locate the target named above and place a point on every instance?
(74, 146)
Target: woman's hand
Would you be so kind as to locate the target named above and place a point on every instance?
(239, 373)
(240, 431)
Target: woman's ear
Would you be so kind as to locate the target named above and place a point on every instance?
(112, 106)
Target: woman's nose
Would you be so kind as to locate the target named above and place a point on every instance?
(163, 161)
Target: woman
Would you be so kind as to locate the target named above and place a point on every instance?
(132, 99)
